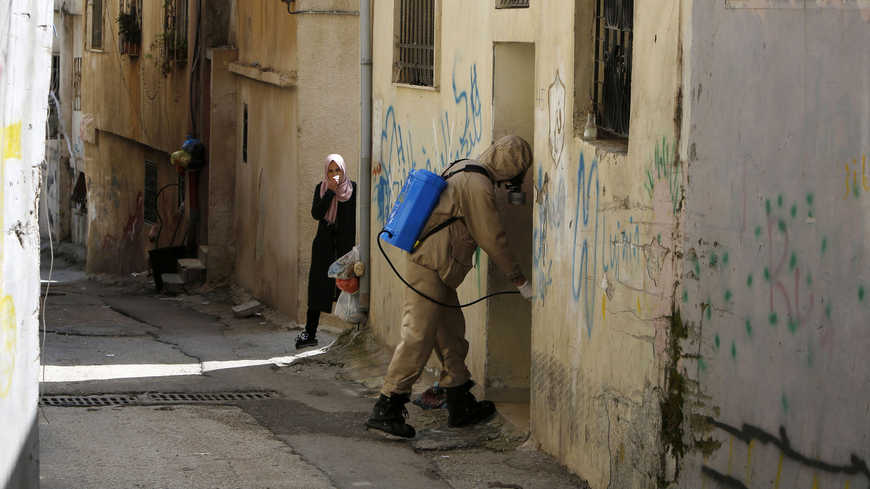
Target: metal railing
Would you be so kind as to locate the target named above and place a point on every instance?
(415, 49)
(612, 70)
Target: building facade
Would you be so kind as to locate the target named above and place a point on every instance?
(285, 96)
(692, 163)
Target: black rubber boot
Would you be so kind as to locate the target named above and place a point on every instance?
(464, 409)
(389, 415)
(303, 339)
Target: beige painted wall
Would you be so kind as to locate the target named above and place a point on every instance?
(129, 105)
(117, 234)
(267, 195)
(291, 130)
(600, 327)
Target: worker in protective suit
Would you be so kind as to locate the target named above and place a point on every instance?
(436, 267)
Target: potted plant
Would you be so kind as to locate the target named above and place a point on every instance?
(130, 32)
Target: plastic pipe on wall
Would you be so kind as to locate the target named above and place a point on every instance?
(365, 163)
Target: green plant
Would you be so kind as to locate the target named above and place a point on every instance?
(128, 27)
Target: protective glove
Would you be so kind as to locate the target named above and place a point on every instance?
(526, 290)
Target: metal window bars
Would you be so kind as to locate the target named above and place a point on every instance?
(53, 121)
(511, 4)
(174, 30)
(77, 83)
(612, 69)
(415, 49)
(97, 24)
(150, 212)
(129, 27)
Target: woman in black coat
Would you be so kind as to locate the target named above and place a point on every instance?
(334, 207)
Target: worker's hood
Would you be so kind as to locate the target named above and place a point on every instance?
(508, 157)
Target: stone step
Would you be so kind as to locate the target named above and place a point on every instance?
(202, 254)
(192, 271)
(172, 283)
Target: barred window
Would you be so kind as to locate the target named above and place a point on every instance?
(612, 66)
(97, 24)
(150, 212)
(129, 26)
(414, 54)
(77, 83)
(175, 30)
(54, 99)
(512, 4)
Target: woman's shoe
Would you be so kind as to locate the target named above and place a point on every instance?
(303, 339)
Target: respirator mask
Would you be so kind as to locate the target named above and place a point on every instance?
(514, 186)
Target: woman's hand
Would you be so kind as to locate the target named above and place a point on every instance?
(332, 184)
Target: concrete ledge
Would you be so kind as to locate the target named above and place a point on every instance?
(281, 79)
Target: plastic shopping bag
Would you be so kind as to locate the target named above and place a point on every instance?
(343, 267)
(347, 308)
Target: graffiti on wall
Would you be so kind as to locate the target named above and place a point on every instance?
(598, 245)
(665, 169)
(556, 126)
(783, 298)
(455, 135)
(751, 436)
(856, 178)
(8, 344)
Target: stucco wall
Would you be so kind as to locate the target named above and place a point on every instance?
(329, 111)
(605, 221)
(774, 289)
(290, 131)
(25, 61)
(118, 235)
(267, 194)
(131, 105)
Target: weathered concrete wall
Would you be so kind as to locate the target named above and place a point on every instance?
(223, 154)
(118, 236)
(267, 193)
(774, 289)
(25, 61)
(130, 105)
(605, 220)
(291, 129)
(328, 108)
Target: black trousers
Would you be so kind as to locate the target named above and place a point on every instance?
(311, 321)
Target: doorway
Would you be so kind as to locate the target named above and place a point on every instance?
(509, 317)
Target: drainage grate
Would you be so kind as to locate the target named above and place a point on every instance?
(88, 401)
(151, 398)
(184, 397)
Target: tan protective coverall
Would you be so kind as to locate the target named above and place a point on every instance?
(440, 264)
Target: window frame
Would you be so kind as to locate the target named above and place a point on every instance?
(401, 30)
(175, 46)
(93, 22)
(612, 33)
(130, 48)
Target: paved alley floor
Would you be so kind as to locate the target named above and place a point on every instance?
(175, 392)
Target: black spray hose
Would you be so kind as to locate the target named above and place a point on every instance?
(455, 306)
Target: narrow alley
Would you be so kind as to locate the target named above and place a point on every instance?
(146, 390)
(626, 243)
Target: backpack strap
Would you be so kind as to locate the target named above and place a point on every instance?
(467, 168)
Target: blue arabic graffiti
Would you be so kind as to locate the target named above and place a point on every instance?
(397, 158)
(581, 281)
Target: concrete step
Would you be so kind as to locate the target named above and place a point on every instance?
(202, 254)
(191, 270)
(172, 283)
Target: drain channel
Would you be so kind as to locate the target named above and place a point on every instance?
(152, 398)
